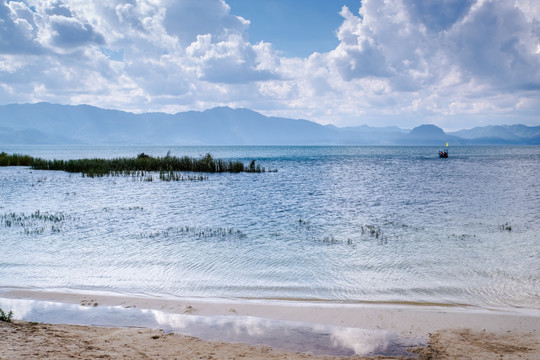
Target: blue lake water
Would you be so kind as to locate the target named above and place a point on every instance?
(353, 224)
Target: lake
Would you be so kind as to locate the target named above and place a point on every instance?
(344, 224)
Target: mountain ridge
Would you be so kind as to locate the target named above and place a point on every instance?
(55, 124)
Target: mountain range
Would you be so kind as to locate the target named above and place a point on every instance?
(44, 123)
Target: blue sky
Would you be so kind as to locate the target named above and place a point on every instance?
(297, 27)
(453, 63)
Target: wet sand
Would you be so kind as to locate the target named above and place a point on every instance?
(447, 332)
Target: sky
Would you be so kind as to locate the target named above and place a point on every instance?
(453, 63)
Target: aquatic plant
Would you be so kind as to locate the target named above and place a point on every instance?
(15, 160)
(306, 224)
(6, 317)
(130, 208)
(35, 223)
(167, 166)
(332, 240)
(146, 163)
(371, 230)
(462, 236)
(375, 232)
(196, 232)
(177, 176)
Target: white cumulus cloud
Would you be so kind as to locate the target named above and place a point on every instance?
(448, 62)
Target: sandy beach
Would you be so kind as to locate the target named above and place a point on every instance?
(262, 330)
(23, 340)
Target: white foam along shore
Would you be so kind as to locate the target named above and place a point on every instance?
(326, 328)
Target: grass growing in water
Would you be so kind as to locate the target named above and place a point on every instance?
(167, 165)
(149, 176)
(35, 223)
(15, 160)
(505, 227)
(176, 176)
(196, 232)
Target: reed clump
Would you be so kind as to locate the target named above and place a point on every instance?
(168, 165)
(15, 159)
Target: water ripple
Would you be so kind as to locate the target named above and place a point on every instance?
(352, 224)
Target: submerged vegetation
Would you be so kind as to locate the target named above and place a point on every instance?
(196, 232)
(505, 227)
(374, 231)
(365, 232)
(168, 167)
(143, 162)
(150, 176)
(36, 223)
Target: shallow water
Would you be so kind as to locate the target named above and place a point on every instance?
(317, 339)
(351, 224)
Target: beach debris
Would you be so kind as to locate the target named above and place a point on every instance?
(92, 303)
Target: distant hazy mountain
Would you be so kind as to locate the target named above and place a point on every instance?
(29, 136)
(219, 126)
(502, 134)
(44, 123)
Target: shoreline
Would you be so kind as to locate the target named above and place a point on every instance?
(24, 340)
(390, 316)
(320, 328)
(406, 319)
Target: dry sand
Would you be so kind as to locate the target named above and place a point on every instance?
(23, 340)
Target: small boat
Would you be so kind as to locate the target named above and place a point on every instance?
(444, 153)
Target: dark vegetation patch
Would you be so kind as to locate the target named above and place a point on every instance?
(6, 317)
(167, 166)
(15, 160)
(196, 232)
(35, 223)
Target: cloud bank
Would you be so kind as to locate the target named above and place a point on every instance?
(454, 63)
